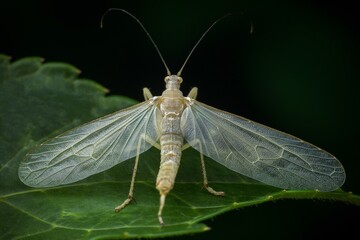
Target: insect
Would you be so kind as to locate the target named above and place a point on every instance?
(173, 122)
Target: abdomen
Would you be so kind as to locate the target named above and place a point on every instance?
(171, 142)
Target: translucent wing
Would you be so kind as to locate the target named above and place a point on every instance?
(90, 148)
(259, 152)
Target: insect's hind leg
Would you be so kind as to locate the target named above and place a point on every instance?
(131, 190)
(203, 168)
(206, 183)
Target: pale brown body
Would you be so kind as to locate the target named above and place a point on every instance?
(171, 104)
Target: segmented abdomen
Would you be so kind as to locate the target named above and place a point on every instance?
(171, 142)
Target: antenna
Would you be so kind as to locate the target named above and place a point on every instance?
(202, 36)
(142, 26)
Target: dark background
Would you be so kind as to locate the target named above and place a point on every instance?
(298, 71)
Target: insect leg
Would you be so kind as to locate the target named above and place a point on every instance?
(206, 183)
(203, 168)
(131, 191)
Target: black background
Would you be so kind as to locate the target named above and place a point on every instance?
(298, 71)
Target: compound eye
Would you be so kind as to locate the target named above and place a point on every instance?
(167, 78)
(180, 79)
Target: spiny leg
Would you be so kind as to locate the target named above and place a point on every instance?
(131, 190)
(206, 183)
(203, 168)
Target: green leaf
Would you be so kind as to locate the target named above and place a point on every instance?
(41, 100)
